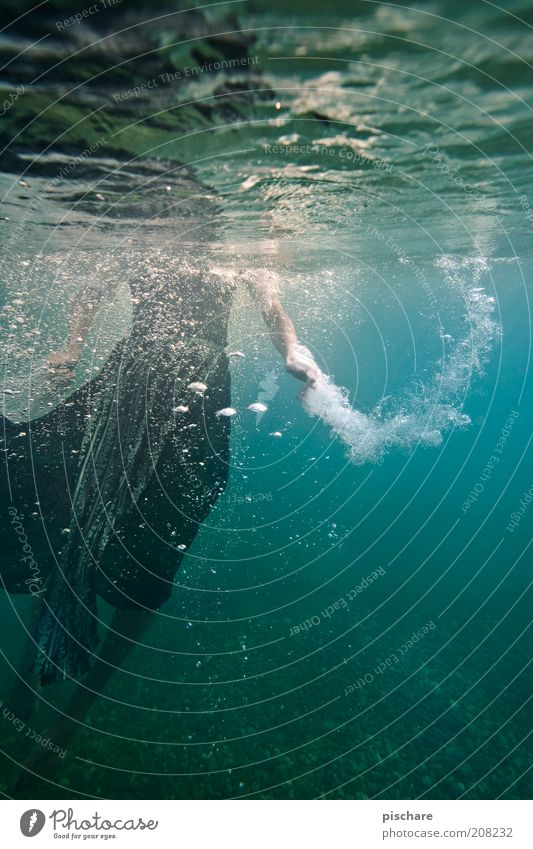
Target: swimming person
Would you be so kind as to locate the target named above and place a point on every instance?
(112, 485)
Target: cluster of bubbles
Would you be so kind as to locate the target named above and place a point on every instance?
(426, 411)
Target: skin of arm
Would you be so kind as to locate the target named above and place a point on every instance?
(62, 362)
(282, 332)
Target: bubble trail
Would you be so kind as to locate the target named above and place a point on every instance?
(423, 415)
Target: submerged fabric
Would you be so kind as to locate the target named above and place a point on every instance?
(125, 470)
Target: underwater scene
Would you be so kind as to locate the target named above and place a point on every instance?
(267, 480)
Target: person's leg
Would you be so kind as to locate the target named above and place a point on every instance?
(125, 630)
(32, 513)
(39, 464)
(139, 563)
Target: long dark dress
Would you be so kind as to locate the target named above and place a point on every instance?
(112, 486)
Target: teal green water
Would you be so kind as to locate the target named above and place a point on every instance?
(377, 157)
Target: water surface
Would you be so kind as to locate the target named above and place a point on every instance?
(376, 157)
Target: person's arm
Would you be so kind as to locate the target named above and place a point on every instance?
(281, 329)
(62, 362)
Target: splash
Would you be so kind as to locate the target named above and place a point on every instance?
(426, 410)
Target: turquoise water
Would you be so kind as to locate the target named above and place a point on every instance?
(378, 161)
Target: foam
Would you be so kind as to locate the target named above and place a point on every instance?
(426, 410)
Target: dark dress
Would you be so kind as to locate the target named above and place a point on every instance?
(111, 487)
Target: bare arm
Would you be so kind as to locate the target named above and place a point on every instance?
(281, 329)
(62, 362)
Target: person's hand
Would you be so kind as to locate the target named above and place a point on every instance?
(302, 366)
(61, 364)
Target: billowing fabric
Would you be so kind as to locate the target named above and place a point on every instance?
(112, 486)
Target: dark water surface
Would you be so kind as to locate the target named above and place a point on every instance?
(377, 158)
